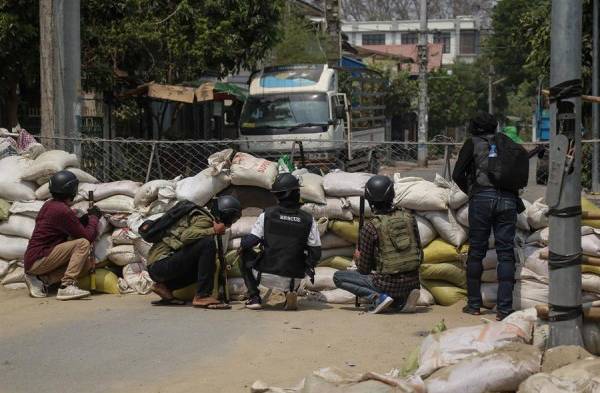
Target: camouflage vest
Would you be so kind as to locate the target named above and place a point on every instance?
(399, 244)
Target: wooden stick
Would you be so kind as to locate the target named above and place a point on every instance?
(584, 98)
(585, 259)
(589, 313)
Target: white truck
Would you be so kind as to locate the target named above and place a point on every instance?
(300, 105)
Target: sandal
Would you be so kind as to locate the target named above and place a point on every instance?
(209, 302)
(168, 302)
(469, 310)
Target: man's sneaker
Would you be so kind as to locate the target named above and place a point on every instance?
(36, 286)
(71, 292)
(383, 302)
(291, 301)
(254, 303)
(411, 301)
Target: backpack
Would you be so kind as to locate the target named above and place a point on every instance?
(509, 169)
(152, 231)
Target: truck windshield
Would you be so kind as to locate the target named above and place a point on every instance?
(263, 114)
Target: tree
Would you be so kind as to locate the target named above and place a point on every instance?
(19, 59)
(410, 9)
(300, 42)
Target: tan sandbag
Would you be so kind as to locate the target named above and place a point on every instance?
(536, 214)
(28, 208)
(106, 282)
(447, 226)
(312, 188)
(529, 293)
(354, 202)
(4, 209)
(81, 175)
(582, 376)
(113, 204)
(334, 209)
(48, 163)
(12, 247)
(148, 192)
(343, 184)
(347, 230)
(338, 252)
(427, 232)
(419, 194)
(201, 188)
(247, 170)
(489, 276)
(18, 225)
(331, 240)
(12, 187)
(336, 262)
(588, 207)
(122, 255)
(454, 273)
(333, 296)
(242, 227)
(323, 280)
(445, 294)
(439, 251)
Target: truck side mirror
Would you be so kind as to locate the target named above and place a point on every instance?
(340, 112)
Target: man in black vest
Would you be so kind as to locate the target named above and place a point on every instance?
(489, 208)
(290, 241)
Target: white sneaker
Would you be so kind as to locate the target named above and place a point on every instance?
(382, 303)
(71, 292)
(411, 301)
(36, 287)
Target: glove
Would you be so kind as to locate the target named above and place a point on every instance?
(94, 211)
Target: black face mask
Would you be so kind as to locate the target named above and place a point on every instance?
(292, 201)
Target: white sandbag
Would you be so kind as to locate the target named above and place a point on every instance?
(323, 279)
(501, 370)
(234, 244)
(590, 283)
(418, 194)
(312, 188)
(29, 209)
(337, 252)
(456, 198)
(541, 237)
(201, 188)
(141, 247)
(15, 276)
(590, 245)
(529, 293)
(342, 184)
(534, 263)
(113, 204)
(4, 266)
(12, 247)
(243, 226)
(121, 236)
(453, 345)
(536, 214)
(219, 161)
(101, 247)
(135, 220)
(18, 225)
(322, 224)
(462, 216)
(122, 255)
(331, 240)
(48, 163)
(591, 336)
(137, 278)
(335, 209)
(106, 190)
(425, 298)
(489, 294)
(447, 227)
(12, 188)
(118, 220)
(42, 193)
(427, 232)
(158, 206)
(81, 175)
(279, 283)
(355, 206)
(247, 170)
(148, 192)
(523, 218)
(582, 376)
(333, 296)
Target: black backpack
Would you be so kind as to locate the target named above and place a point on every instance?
(509, 170)
(153, 231)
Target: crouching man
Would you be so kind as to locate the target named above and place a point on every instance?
(388, 254)
(60, 246)
(185, 250)
(291, 245)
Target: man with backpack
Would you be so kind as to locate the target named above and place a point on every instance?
(491, 169)
(388, 255)
(184, 249)
(290, 241)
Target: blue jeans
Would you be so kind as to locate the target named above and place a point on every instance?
(359, 284)
(497, 210)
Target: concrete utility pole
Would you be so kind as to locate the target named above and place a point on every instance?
(596, 92)
(564, 183)
(491, 90)
(332, 20)
(423, 98)
(60, 67)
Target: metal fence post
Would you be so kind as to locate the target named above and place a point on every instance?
(150, 163)
(596, 92)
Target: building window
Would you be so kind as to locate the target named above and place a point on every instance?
(409, 38)
(444, 39)
(468, 42)
(373, 39)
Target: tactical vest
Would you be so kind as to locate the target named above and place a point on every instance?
(399, 248)
(285, 238)
(481, 150)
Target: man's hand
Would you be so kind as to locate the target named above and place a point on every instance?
(219, 228)
(356, 255)
(94, 211)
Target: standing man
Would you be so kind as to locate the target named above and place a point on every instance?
(388, 254)
(489, 208)
(186, 252)
(60, 246)
(290, 241)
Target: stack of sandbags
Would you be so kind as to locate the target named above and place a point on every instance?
(442, 272)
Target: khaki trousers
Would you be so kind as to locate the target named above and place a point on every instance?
(65, 263)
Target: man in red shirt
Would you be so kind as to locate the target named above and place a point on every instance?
(60, 246)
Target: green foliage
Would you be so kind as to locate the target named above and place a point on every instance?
(300, 42)
(401, 94)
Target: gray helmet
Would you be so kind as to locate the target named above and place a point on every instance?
(64, 183)
(284, 184)
(379, 189)
(227, 209)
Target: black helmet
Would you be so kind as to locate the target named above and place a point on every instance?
(284, 184)
(483, 123)
(64, 184)
(227, 209)
(379, 189)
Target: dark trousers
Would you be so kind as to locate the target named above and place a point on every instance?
(248, 261)
(497, 210)
(193, 263)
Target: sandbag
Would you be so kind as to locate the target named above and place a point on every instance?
(121, 236)
(106, 190)
(490, 261)
(536, 214)
(243, 226)
(582, 376)
(331, 240)
(312, 188)
(489, 275)
(4, 267)
(18, 225)
(323, 280)
(501, 370)
(425, 298)
(444, 293)
(334, 209)
(234, 244)
(456, 198)
(454, 345)
(454, 273)
(333, 296)
(136, 278)
(439, 251)
(418, 194)
(12, 187)
(148, 192)
(489, 294)
(12, 247)
(336, 262)
(427, 232)
(113, 204)
(591, 336)
(118, 220)
(141, 247)
(29, 209)
(15, 275)
(462, 216)
(541, 237)
(342, 184)
(81, 175)
(4, 209)
(529, 293)
(106, 282)
(354, 202)
(201, 188)
(590, 245)
(347, 230)
(447, 227)
(48, 163)
(589, 207)
(122, 255)
(337, 252)
(101, 247)
(247, 170)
